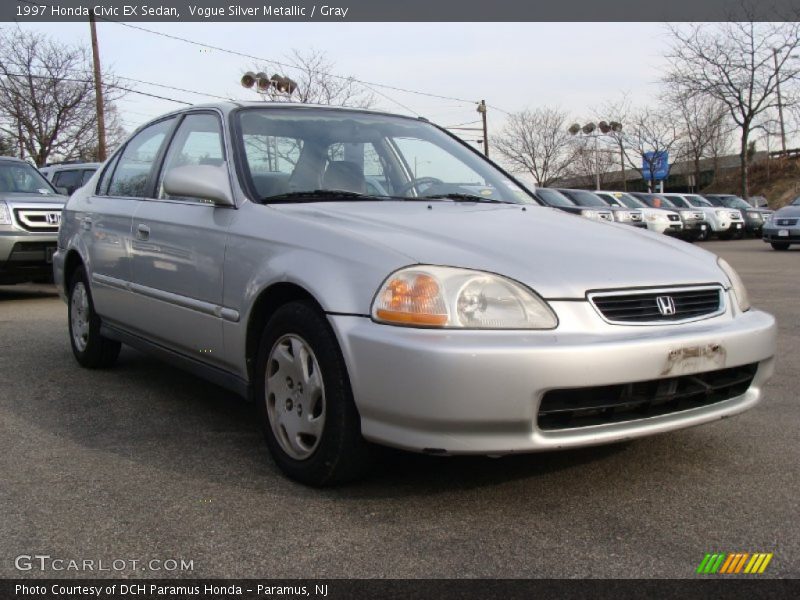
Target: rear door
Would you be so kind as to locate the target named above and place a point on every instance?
(178, 250)
(106, 218)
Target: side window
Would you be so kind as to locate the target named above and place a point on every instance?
(70, 178)
(105, 178)
(136, 162)
(198, 141)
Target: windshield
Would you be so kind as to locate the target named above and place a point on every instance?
(655, 201)
(582, 198)
(735, 202)
(698, 201)
(22, 178)
(680, 202)
(629, 200)
(554, 198)
(314, 154)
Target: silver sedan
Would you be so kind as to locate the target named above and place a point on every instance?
(368, 278)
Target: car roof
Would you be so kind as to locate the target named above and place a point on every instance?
(232, 105)
(13, 159)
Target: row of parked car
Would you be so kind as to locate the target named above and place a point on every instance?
(688, 216)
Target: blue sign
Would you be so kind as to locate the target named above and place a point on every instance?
(655, 165)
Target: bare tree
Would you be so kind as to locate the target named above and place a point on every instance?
(47, 96)
(649, 135)
(735, 63)
(592, 160)
(703, 122)
(318, 83)
(536, 142)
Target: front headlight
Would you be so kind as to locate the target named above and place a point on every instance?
(5, 214)
(623, 215)
(739, 290)
(754, 215)
(589, 214)
(720, 213)
(429, 296)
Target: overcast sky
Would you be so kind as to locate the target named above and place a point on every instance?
(513, 66)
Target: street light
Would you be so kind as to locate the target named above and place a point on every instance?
(264, 84)
(590, 130)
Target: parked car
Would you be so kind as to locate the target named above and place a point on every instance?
(69, 175)
(555, 199)
(659, 220)
(694, 221)
(591, 201)
(725, 223)
(30, 213)
(753, 217)
(783, 227)
(234, 240)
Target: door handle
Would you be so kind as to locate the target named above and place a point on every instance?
(86, 223)
(142, 232)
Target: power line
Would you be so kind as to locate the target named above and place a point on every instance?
(107, 85)
(286, 65)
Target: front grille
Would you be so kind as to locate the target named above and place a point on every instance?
(786, 222)
(673, 217)
(658, 306)
(636, 216)
(602, 405)
(735, 215)
(698, 216)
(38, 219)
(606, 216)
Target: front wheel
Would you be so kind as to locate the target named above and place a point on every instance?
(90, 349)
(780, 245)
(309, 418)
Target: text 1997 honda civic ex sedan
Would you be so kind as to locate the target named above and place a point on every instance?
(369, 278)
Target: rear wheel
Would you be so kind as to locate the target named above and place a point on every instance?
(780, 245)
(309, 418)
(91, 349)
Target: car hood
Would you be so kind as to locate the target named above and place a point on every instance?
(786, 211)
(555, 253)
(14, 198)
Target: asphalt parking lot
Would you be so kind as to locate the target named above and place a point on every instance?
(145, 462)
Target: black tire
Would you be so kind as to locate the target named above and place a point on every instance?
(340, 454)
(703, 235)
(98, 352)
(780, 245)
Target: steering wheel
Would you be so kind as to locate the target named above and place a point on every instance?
(417, 181)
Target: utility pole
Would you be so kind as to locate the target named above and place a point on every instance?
(482, 110)
(19, 138)
(98, 93)
(780, 105)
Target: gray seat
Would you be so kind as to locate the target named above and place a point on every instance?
(344, 175)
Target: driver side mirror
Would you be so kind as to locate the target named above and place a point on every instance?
(205, 182)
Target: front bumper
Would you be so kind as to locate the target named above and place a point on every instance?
(26, 256)
(773, 234)
(478, 392)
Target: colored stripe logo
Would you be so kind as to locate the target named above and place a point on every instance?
(734, 563)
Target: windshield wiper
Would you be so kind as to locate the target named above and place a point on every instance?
(456, 197)
(320, 196)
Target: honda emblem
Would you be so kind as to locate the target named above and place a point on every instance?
(666, 305)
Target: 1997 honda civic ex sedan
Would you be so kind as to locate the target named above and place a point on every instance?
(338, 267)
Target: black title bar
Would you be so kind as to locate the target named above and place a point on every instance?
(210, 11)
